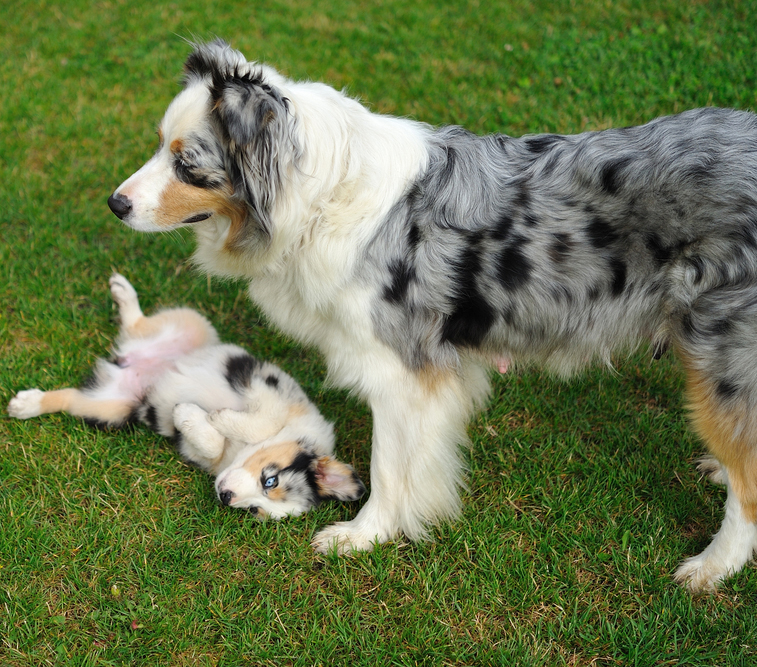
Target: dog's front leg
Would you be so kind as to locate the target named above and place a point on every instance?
(419, 422)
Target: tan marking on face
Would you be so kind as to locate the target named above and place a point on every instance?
(160, 135)
(279, 456)
(177, 145)
(237, 233)
(180, 201)
(728, 433)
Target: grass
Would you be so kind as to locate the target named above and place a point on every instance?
(582, 495)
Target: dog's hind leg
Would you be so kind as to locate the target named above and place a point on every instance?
(419, 423)
(34, 402)
(719, 350)
(729, 432)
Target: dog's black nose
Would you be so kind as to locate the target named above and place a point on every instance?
(120, 205)
(225, 497)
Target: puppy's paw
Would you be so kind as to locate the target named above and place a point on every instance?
(122, 290)
(221, 418)
(186, 416)
(26, 404)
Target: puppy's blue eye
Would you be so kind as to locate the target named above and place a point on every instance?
(271, 482)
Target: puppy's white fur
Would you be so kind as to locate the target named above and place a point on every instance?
(246, 422)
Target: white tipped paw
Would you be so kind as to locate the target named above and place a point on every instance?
(122, 290)
(221, 417)
(186, 416)
(343, 539)
(26, 404)
(700, 574)
(710, 467)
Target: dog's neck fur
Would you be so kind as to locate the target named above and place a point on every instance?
(372, 160)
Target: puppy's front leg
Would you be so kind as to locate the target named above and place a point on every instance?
(249, 427)
(199, 443)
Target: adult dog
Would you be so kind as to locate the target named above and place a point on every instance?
(244, 421)
(416, 258)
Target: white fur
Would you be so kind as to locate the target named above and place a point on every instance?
(233, 416)
(322, 178)
(731, 548)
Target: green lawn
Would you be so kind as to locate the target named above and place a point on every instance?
(582, 495)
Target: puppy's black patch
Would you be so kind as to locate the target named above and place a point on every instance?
(239, 370)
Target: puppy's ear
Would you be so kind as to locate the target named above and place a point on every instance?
(253, 118)
(336, 480)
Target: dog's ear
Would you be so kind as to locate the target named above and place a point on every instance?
(336, 480)
(253, 118)
(215, 56)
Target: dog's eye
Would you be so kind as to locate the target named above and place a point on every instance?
(271, 482)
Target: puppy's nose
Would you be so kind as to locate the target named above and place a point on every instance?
(225, 497)
(120, 205)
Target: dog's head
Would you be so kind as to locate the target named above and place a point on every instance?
(285, 478)
(227, 142)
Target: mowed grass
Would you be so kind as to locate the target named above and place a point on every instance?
(582, 496)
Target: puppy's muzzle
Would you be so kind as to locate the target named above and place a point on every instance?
(225, 497)
(120, 205)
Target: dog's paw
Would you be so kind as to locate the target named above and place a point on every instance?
(122, 290)
(700, 574)
(710, 467)
(26, 404)
(343, 539)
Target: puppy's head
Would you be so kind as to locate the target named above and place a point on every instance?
(285, 478)
(226, 142)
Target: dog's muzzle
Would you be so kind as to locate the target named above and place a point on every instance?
(120, 205)
(225, 497)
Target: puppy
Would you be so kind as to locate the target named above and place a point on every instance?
(244, 421)
(417, 259)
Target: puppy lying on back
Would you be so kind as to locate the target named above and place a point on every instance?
(244, 421)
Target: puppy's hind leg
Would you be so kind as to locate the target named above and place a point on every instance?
(125, 296)
(33, 402)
